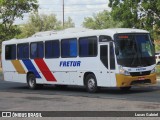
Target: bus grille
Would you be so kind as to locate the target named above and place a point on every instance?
(147, 81)
(140, 73)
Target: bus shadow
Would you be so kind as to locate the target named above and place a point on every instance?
(51, 89)
(147, 94)
(133, 90)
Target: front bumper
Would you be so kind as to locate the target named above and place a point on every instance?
(125, 81)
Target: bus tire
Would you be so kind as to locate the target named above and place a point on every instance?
(31, 81)
(125, 88)
(91, 83)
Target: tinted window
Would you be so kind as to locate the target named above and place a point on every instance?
(134, 50)
(10, 52)
(23, 51)
(104, 38)
(69, 48)
(112, 58)
(52, 49)
(145, 46)
(104, 55)
(88, 47)
(37, 50)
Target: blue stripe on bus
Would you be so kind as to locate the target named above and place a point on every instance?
(29, 65)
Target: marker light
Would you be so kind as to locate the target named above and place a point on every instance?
(123, 37)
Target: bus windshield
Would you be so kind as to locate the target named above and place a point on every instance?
(133, 50)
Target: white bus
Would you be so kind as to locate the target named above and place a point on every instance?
(92, 58)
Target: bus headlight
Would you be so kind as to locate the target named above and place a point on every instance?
(122, 71)
(153, 71)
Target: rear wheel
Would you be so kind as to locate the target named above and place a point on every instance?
(31, 81)
(91, 83)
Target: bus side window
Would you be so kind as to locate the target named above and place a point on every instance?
(23, 51)
(69, 48)
(104, 55)
(52, 49)
(10, 52)
(88, 46)
(36, 50)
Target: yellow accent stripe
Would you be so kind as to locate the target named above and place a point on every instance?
(18, 66)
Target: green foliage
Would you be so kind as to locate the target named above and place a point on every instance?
(9, 11)
(69, 23)
(137, 13)
(101, 20)
(43, 22)
(10, 33)
(125, 12)
(157, 47)
(39, 23)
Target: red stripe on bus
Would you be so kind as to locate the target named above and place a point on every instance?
(45, 70)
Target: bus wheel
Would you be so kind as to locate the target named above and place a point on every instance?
(31, 81)
(125, 88)
(91, 83)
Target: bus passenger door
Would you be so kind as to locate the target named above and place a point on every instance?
(112, 67)
(104, 57)
(108, 59)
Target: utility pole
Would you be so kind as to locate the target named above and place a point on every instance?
(63, 13)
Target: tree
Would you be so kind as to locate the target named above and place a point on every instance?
(69, 23)
(101, 20)
(38, 23)
(126, 12)
(143, 14)
(9, 11)
(42, 22)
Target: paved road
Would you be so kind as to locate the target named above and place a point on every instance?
(17, 97)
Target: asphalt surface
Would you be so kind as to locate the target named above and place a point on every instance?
(144, 94)
(17, 97)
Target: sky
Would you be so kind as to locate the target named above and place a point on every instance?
(76, 9)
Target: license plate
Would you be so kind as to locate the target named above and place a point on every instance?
(141, 78)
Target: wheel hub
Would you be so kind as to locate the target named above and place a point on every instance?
(91, 83)
(31, 82)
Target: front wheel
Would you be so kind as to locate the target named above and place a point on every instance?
(91, 83)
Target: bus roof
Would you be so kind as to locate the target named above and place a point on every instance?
(73, 33)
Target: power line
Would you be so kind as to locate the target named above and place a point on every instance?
(64, 10)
